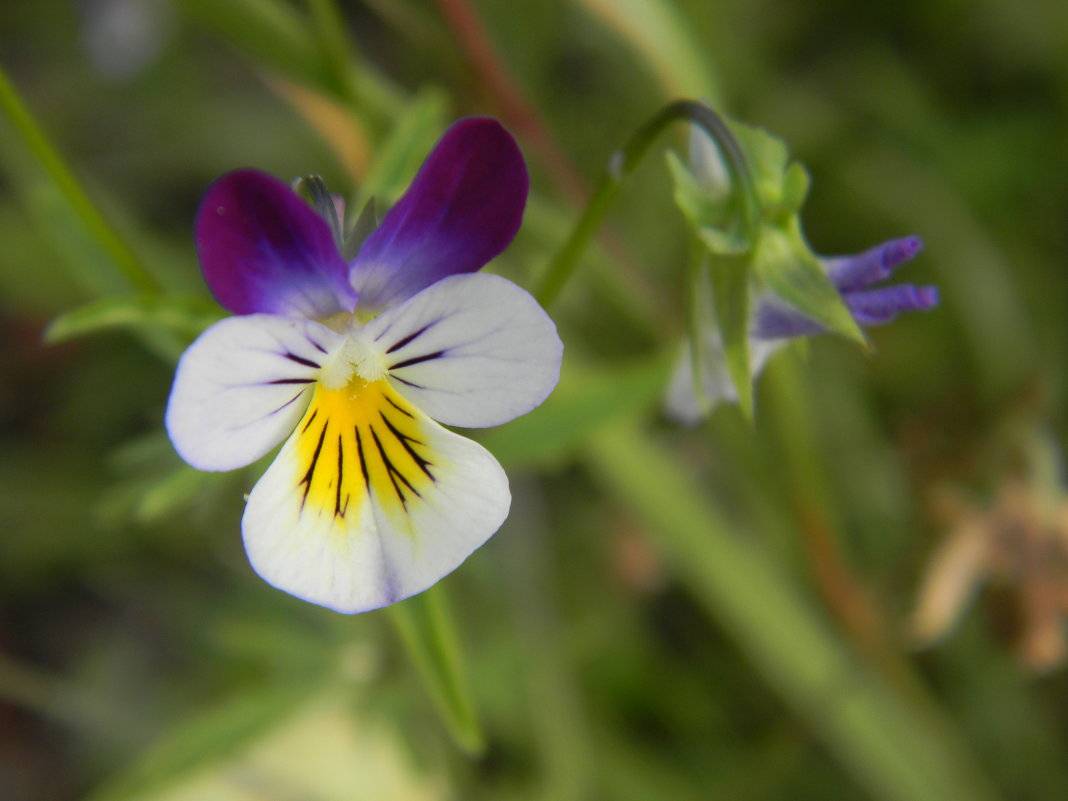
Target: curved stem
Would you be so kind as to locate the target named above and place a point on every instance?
(623, 163)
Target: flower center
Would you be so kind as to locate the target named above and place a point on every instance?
(357, 358)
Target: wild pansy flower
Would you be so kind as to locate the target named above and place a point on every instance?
(774, 324)
(704, 193)
(356, 366)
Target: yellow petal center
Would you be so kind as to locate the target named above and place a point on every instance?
(360, 438)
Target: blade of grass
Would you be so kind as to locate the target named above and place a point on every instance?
(41, 149)
(892, 749)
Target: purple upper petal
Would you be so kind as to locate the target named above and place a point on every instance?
(873, 265)
(463, 208)
(263, 249)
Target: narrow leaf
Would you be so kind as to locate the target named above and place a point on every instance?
(123, 260)
(894, 750)
(180, 316)
(664, 38)
(272, 32)
(584, 401)
(413, 134)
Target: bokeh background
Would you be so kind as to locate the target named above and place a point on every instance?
(857, 596)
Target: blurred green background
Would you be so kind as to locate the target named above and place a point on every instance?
(727, 612)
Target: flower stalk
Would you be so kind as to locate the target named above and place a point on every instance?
(624, 162)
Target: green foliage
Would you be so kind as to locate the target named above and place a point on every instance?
(719, 612)
(181, 316)
(202, 739)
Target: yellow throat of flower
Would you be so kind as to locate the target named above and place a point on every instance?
(359, 437)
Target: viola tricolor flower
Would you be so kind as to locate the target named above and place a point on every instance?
(773, 323)
(356, 366)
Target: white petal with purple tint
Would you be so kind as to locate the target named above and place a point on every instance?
(471, 350)
(683, 404)
(241, 387)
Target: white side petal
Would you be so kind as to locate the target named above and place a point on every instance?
(241, 387)
(370, 502)
(681, 401)
(470, 350)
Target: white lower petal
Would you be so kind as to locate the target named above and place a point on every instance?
(241, 387)
(470, 350)
(370, 502)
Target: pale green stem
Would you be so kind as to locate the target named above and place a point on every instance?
(620, 167)
(35, 140)
(426, 628)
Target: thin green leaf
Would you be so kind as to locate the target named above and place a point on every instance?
(895, 751)
(584, 401)
(336, 47)
(425, 626)
(123, 260)
(271, 32)
(664, 37)
(413, 134)
(183, 317)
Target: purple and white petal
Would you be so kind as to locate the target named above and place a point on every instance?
(263, 249)
(471, 350)
(463, 208)
(873, 265)
(242, 386)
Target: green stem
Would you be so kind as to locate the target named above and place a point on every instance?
(624, 162)
(35, 140)
(425, 626)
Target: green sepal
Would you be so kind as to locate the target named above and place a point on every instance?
(767, 158)
(715, 214)
(731, 296)
(795, 188)
(786, 264)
